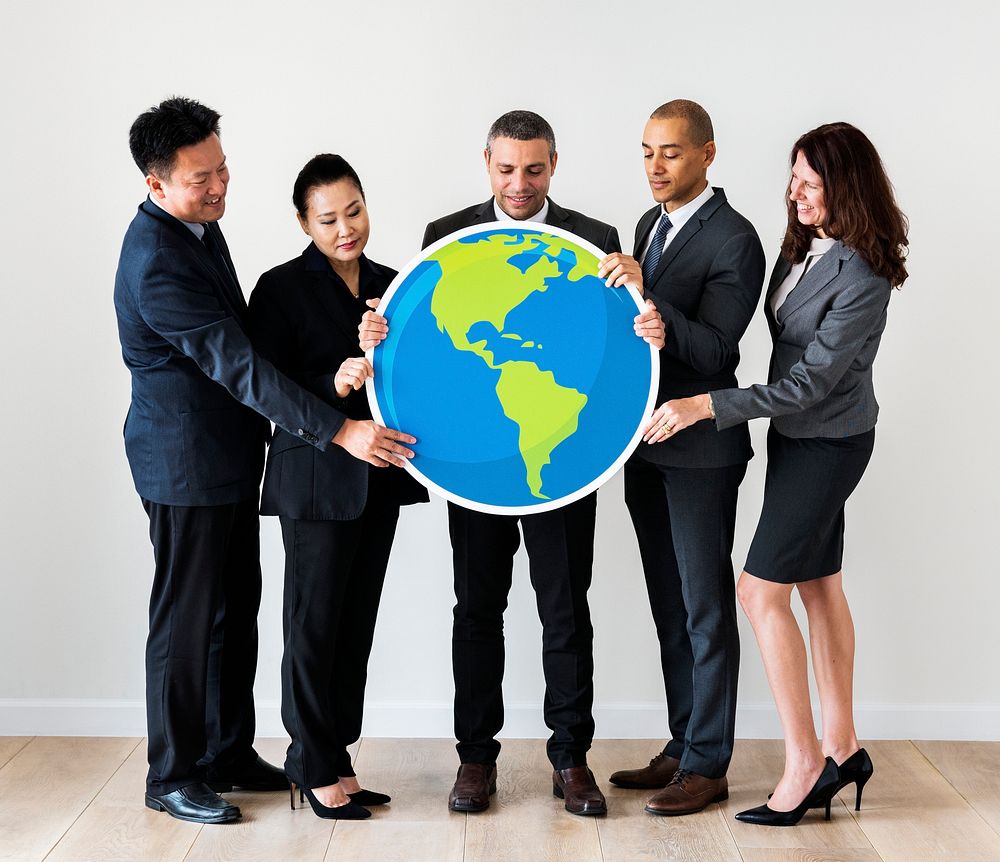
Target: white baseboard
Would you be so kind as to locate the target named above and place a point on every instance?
(523, 720)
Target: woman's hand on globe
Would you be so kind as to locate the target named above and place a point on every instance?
(373, 328)
(649, 326)
(620, 269)
(352, 375)
(371, 442)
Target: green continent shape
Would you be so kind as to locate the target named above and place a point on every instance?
(479, 284)
(545, 412)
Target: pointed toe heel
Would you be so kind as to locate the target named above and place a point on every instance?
(821, 796)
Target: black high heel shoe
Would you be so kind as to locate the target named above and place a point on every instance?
(370, 797)
(820, 796)
(351, 811)
(856, 770)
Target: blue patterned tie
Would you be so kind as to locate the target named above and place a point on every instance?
(654, 250)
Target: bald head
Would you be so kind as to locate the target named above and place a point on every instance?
(699, 124)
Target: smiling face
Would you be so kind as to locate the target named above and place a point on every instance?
(520, 172)
(337, 221)
(195, 191)
(806, 192)
(675, 168)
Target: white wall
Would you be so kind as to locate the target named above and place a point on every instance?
(406, 91)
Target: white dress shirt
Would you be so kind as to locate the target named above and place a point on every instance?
(678, 218)
(538, 216)
(817, 248)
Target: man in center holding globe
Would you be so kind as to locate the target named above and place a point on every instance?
(521, 159)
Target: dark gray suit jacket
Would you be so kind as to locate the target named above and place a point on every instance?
(825, 337)
(706, 288)
(604, 236)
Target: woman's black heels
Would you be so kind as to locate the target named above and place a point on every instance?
(370, 797)
(351, 811)
(856, 770)
(820, 796)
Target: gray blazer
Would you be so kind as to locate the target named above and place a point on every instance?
(825, 337)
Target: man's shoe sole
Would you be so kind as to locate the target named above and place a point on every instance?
(557, 791)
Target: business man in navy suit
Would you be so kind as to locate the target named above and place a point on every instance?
(195, 437)
(702, 265)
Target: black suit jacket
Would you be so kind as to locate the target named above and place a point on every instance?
(706, 287)
(304, 319)
(195, 433)
(604, 236)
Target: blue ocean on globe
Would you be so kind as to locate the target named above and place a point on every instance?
(516, 369)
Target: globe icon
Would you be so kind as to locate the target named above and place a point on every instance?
(516, 369)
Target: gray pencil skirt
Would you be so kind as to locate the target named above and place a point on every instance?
(800, 534)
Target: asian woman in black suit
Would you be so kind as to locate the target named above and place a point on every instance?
(338, 508)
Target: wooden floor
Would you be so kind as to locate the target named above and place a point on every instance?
(81, 799)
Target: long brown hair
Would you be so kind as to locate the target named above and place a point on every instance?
(861, 209)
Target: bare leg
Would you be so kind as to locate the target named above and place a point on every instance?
(349, 783)
(831, 639)
(768, 606)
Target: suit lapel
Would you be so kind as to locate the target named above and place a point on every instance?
(691, 227)
(642, 229)
(486, 213)
(819, 276)
(323, 283)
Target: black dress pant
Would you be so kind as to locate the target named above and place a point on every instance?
(201, 655)
(684, 519)
(560, 547)
(334, 571)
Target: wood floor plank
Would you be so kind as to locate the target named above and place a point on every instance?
(973, 769)
(756, 768)
(10, 746)
(911, 812)
(416, 825)
(117, 826)
(48, 785)
(629, 834)
(269, 830)
(804, 854)
(525, 820)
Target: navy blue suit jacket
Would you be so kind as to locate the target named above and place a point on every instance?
(196, 427)
(706, 287)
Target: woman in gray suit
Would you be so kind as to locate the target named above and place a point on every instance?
(843, 252)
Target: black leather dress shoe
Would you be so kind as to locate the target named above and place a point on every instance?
(258, 775)
(195, 803)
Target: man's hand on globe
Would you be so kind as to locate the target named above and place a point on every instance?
(371, 442)
(649, 326)
(620, 269)
(373, 328)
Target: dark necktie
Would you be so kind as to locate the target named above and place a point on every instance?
(214, 246)
(655, 250)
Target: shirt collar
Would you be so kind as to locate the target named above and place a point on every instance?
(539, 216)
(680, 215)
(196, 228)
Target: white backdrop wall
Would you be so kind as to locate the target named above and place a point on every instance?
(406, 92)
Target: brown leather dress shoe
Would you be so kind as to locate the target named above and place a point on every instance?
(687, 793)
(474, 785)
(577, 786)
(658, 774)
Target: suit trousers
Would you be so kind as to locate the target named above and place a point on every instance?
(201, 654)
(684, 519)
(560, 546)
(334, 571)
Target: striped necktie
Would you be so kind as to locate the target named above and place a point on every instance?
(655, 250)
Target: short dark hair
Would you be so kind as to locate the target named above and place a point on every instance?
(861, 208)
(322, 170)
(522, 126)
(157, 134)
(699, 122)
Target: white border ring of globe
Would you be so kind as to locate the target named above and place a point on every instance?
(511, 363)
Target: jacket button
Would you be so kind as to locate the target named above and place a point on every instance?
(301, 433)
